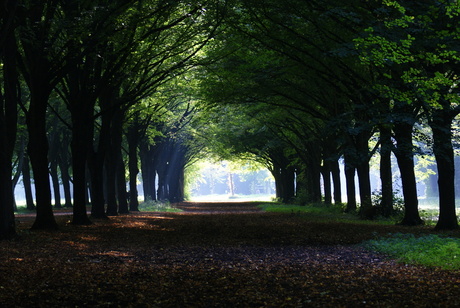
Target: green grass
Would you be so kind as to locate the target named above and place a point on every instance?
(157, 206)
(23, 210)
(228, 198)
(430, 250)
(298, 209)
(318, 212)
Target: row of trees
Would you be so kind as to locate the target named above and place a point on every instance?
(77, 76)
(296, 84)
(308, 83)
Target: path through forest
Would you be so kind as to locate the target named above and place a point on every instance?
(213, 255)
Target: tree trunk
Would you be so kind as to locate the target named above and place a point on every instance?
(113, 159)
(176, 174)
(133, 140)
(442, 147)
(335, 171)
(365, 211)
(121, 186)
(405, 158)
(38, 154)
(56, 185)
(386, 175)
(350, 171)
(96, 168)
(26, 181)
(326, 172)
(309, 173)
(65, 177)
(79, 148)
(148, 181)
(111, 176)
(8, 118)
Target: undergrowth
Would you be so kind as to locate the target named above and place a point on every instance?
(300, 209)
(429, 250)
(157, 206)
(319, 212)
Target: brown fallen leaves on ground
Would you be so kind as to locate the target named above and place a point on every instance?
(213, 255)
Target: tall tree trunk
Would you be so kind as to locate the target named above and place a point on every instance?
(350, 172)
(38, 154)
(65, 177)
(96, 169)
(335, 171)
(133, 140)
(111, 176)
(362, 169)
(54, 138)
(442, 147)
(310, 173)
(405, 158)
(56, 185)
(327, 184)
(8, 117)
(113, 159)
(79, 149)
(26, 181)
(386, 175)
(21, 154)
(121, 186)
(364, 182)
(176, 174)
(148, 175)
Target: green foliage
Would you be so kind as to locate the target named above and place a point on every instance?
(157, 206)
(398, 202)
(313, 210)
(23, 210)
(429, 250)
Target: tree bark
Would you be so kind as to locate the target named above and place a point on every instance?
(38, 154)
(26, 181)
(8, 118)
(335, 171)
(386, 175)
(121, 186)
(65, 176)
(405, 158)
(79, 149)
(148, 173)
(350, 172)
(133, 140)
(327, 184)
(442, 147)
(364, 182)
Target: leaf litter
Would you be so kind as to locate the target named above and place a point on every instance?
(213, 255)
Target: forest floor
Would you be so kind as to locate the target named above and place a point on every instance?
(214, 255)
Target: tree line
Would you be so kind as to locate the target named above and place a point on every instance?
(303, 85)
(81, 77)
(93, 90)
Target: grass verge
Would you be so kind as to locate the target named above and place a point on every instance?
(430, 250)
(157, 206)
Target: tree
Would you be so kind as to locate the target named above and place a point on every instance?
(9, 100)
(417, 45)
(130, 50)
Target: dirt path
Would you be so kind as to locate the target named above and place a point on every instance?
(213, 255)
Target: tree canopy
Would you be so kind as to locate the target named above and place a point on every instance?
(102, 91)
